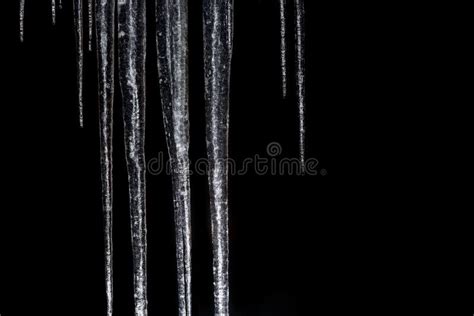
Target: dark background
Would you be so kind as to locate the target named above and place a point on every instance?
(292, 244)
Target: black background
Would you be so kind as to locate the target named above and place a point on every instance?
(292, 247)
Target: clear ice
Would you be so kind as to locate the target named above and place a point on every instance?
(300, 75)
(22, 19)
(173, 59)
(53, 11)
(132, 54)
(105, 28)
(78, 28)
(283, 48)
(90, 11)
(218, 36)
(172, 46)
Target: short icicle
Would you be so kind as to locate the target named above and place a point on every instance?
(53, 11)
(218, 35)
(172, 39)
(132, 54)
(105, 30)
(22, 19)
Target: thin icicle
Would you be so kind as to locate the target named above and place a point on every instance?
(105, 27)
(283, 49)
(60, 4)
(90, 9)
(218, 32)
(22, 19)
(78, 24)
(53, 11)
(172, 40)
(300, 74)
(132, 53)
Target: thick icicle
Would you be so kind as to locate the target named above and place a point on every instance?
(132, 53)
(78, 24)
(22, 19)
(172, 40)
(218, 29)
(300, 74)
(53, 11)
(283, 49)
(90, 10)
(105, 28)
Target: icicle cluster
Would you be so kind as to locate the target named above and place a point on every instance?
(173, 59)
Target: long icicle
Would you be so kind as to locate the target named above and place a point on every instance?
(22, 19)
(132, 53)
(78, 26)
(90, 10)
(300, 75)
(172, 40)
(218, 33)
(53, 11)
(283, 48)
(105, 36)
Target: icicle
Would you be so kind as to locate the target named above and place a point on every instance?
(60, 4)
(300, 75)
(172, 25)
(78, 24)
(218, 29)
(105, 27)
(90, 7)
(22, 19)
(283, 50)
(53, 11)
(132, 52)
